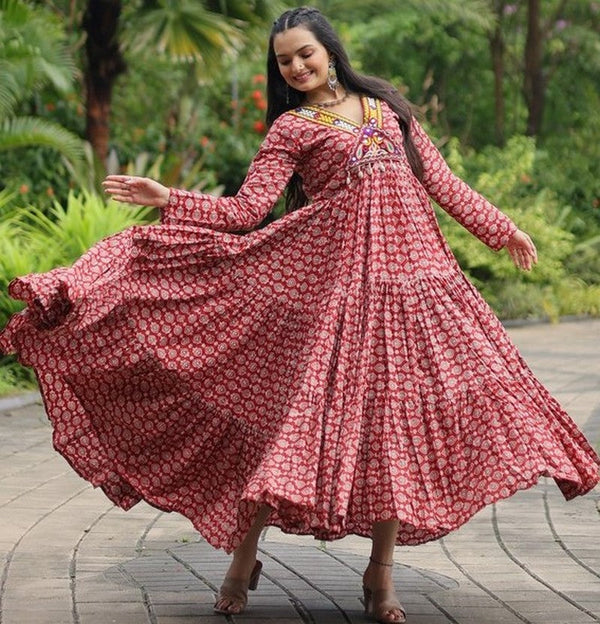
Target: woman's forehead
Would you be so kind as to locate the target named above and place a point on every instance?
(290, 41)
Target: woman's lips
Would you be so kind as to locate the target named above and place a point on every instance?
(303, 77)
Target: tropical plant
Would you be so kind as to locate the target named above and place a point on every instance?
(553, 288)
(33, 55)
(200, 34)
(34, 242)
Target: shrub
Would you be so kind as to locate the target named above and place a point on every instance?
(33, 242)
(552, 288)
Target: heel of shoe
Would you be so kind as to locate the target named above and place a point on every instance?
(255, 576)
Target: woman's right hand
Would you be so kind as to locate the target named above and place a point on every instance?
(136, 190)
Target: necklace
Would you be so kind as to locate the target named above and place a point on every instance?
(331, 102)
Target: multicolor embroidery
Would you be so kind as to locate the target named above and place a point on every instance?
(374, 146)
(326, 118)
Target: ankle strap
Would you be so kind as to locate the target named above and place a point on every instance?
(381, 563)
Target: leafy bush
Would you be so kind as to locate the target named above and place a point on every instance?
(33, 242)
(552, 288)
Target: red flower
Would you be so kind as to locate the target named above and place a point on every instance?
(259, 126)
(257, 95)
(259, 79)
(23, 188)
(261, 104)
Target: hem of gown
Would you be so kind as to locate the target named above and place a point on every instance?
(328, 534)
(298, 517)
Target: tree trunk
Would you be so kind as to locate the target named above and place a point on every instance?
(104, 64)
(534, 86)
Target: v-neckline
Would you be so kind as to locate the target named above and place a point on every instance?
(365, 112)
(325, 117)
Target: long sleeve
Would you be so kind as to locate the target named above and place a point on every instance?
(457, 198)
(266, 179)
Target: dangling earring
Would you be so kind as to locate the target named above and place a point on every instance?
(332, 79)
(287, 94)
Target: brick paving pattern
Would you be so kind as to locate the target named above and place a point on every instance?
(70, 557)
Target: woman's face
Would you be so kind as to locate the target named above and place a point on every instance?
(303, 61)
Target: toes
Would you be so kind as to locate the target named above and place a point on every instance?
(395, 615)
(224, 604)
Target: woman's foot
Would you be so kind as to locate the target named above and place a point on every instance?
(244, 570)
(233, 594)
(381, 601)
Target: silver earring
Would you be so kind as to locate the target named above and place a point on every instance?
(332, 79)
(287, 94)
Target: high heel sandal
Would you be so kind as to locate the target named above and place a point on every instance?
(379, 602)
(236, 591)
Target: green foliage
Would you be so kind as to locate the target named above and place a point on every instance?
(439, 58)
(213, 129)
(33, 56)
(504, 175)
(33, 242)
(233, 137)
(21, 131)
(186, 31)
(14, 378)
(71, 230)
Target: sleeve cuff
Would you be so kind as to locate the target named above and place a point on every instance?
(165, 211)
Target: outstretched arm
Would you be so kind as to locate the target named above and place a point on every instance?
(468, 207)
(267, 176)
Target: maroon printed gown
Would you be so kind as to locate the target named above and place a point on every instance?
(336, 364)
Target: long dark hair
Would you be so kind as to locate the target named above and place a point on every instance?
(281, 97)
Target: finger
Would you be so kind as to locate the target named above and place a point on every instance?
(521, 260)
(121, 198)
(121, 186)
(531, 248)
(116, 188)
(117, 178)
(534, 254)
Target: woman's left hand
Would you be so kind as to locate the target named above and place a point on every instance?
(522, 250)
(136, 190)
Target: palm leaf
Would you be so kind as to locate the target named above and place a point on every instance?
(26, 131)
(185, 31)
(34, 47)
(9, 90)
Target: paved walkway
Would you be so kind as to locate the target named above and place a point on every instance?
(70, 557)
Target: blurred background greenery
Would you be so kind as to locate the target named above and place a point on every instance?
(509, 90)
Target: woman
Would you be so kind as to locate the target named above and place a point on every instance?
(332, 373)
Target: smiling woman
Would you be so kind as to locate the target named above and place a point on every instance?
(332, 373)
